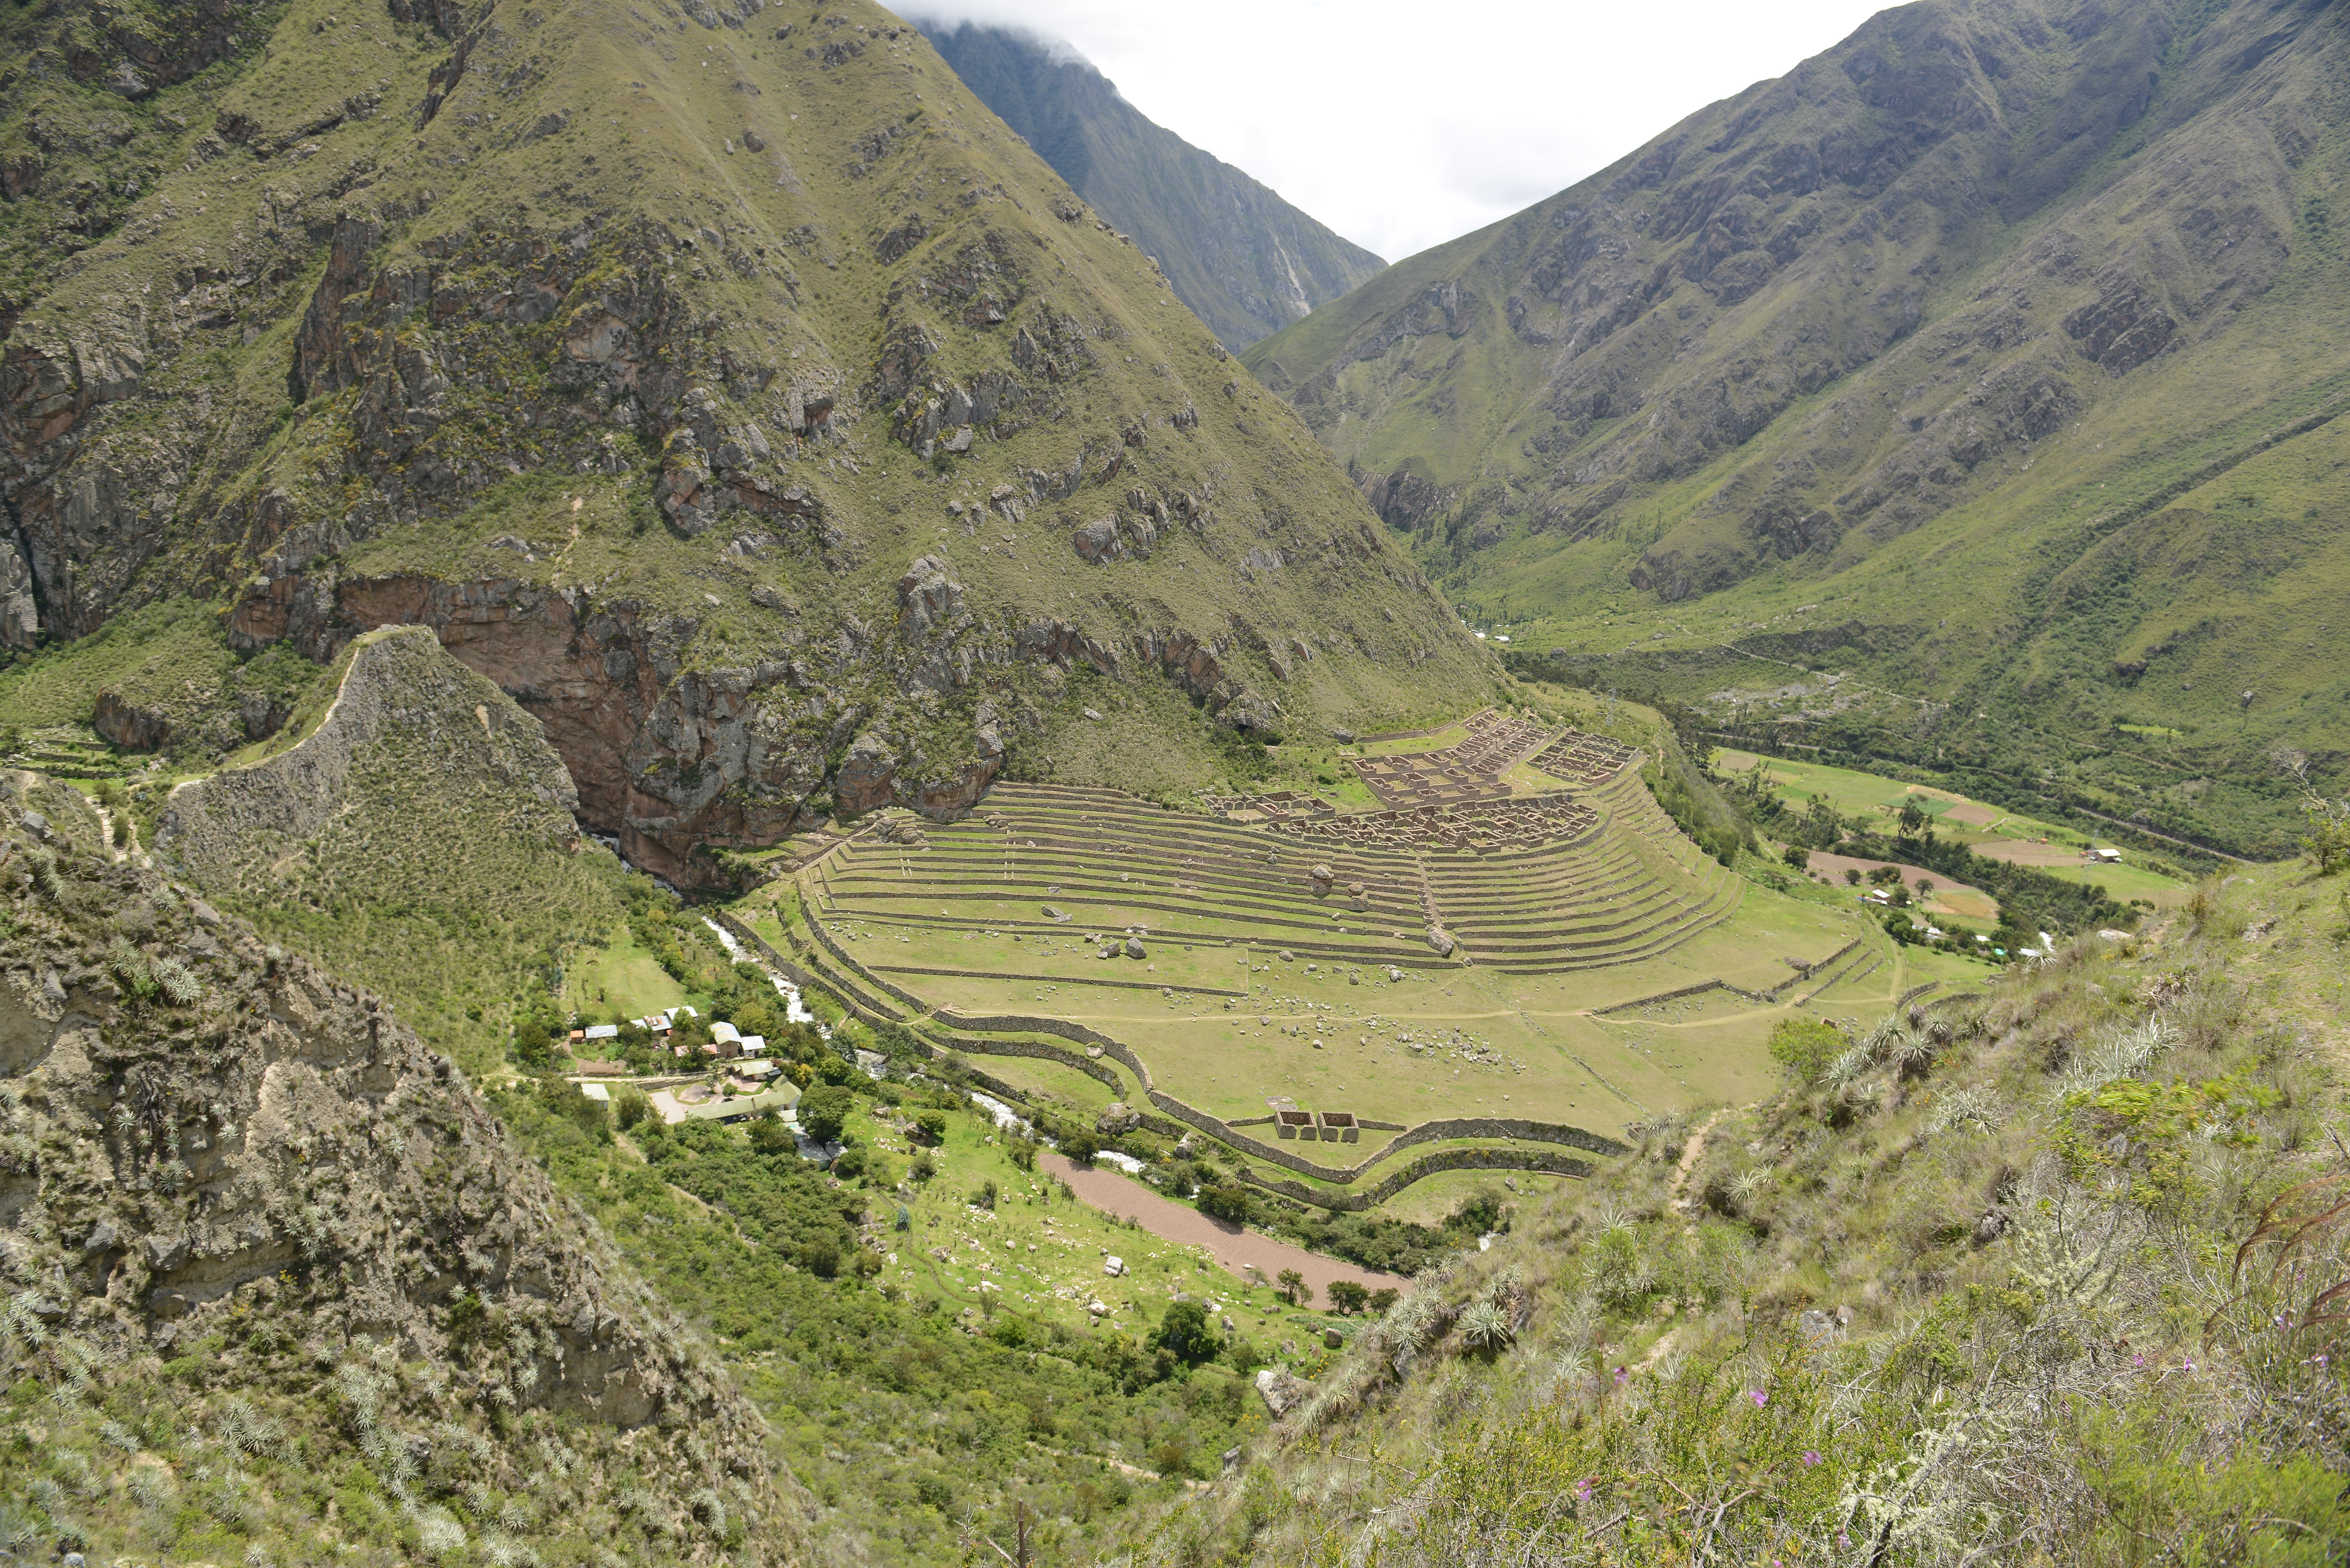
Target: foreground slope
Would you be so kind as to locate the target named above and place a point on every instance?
(2042, 1275)
(2001, 344)
(278, 1282)
(732, 389)
(1246, 261)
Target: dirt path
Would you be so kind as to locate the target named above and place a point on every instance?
(1237, 1250)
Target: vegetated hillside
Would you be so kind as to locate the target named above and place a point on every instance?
(278, 1285)
(1246, 261)
(732, 389)
(1993, 355)
(414, 833)
(2045, 1276)
(408, 826)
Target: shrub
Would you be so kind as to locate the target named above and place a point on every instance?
(1383, 1301)
(930, 1128)
(1348, 1296)
(1229, 1203)
(922, 1169)
(630, 1107)
(850, 1164)
(1805, 1047)
(1186, 1334)
(1081, 1147)
(824, 1111)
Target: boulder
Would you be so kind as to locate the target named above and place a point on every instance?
(1134, 948)
(1116, 1119)
(1441, 941)
(1282, 1391)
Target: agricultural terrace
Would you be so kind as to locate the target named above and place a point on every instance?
(1467, 956)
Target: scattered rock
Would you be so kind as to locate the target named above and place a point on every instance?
(1116, 1119)
(1441, 941)
(1282, 1391)
(1134, 947)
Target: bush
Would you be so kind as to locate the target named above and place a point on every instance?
(850, 1164)
(1186, 1334)
(825, 1111)
(1805, 1047)
(1348, 1297)
(922, 1169)
(1081, 1147)
(1228, 1203)
(930, 1128)
(630, 1107)
(769, 1136)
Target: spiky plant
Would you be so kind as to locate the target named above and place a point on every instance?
(1486, 1327)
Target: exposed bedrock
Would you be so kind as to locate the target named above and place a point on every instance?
(676, 761)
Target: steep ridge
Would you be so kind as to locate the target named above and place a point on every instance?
(351, 844)
(278, 1279)
(733, 390)
(1246, 261)
(2004, 334)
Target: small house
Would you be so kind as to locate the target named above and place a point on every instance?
(754, 1044)
(596, 1092)
(597, 1031)
(1337, 1126)
(576, 1035)
(2109, 854)
(725, 1034)
(1293, 1123)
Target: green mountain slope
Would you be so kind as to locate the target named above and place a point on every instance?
(2029, 1277)
(1990, 357)
(731, 388)
(1245, 260)
(279, 1287)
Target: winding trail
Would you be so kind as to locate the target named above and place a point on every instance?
(1237, 1250)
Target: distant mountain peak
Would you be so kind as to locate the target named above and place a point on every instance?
(1245, 260)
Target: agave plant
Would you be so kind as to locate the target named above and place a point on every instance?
(1747, 1185)
(1485, 1326)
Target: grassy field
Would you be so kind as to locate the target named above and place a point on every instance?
(620, 979)
(1986, 829)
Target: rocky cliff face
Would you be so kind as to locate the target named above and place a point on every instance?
(215, 1154)
(1246, 261)
(649, 414)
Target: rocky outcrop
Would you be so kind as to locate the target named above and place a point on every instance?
(129, 727)
(205, 1143)
(399, 684)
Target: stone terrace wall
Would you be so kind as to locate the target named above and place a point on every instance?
(1425, 1165)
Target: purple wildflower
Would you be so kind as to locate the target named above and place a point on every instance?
(1811, 1458)
(1759, 1397)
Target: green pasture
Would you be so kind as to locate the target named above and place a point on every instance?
(1855, 793)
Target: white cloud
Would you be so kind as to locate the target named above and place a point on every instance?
(1402, 126)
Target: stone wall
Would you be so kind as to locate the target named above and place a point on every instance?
(1425, 1165)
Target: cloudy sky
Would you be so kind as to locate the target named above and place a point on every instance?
(1401, 126)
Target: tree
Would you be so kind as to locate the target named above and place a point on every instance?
(630, 1107)
(534, 1042)
(1911, 820)
(922, 1169)
(1229, 1203)
(1798, 857)
(1852, 876)
(930, 1128)
(1081, 1146)
(850, 1164)
(1383, 1301)
(1293, 1287)
(1805, 1047)
(769, 1136)
(825, 1111)
(1348, 1297)
(1185, 1333)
